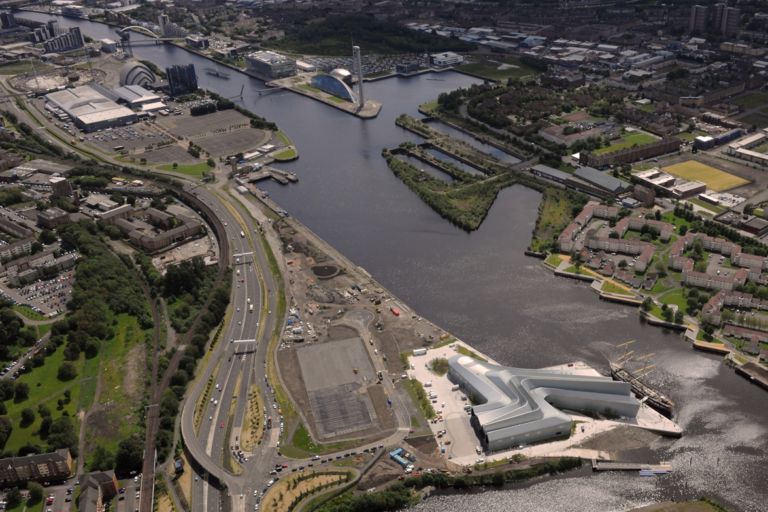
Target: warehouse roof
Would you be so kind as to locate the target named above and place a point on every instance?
(136, 95)
(601, 179)
(88, 105)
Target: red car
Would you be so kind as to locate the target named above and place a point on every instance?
(221, 425)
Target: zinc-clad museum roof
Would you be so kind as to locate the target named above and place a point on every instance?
(520, 406)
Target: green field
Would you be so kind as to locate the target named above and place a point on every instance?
(715, 179)
(628, 140)
(285, 155)
(755, 118)
(497, 68)
(676, 297)
(27, 312)
(196, 170)
(46, 389)
(609, 287)
(15, 68)
(751, 100)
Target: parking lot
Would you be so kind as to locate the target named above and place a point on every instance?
(453, 432)
(337, 387)
(48, 297)
(138, 136)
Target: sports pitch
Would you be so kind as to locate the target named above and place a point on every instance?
(715, 179)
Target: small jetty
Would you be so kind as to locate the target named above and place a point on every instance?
(281, 176)
(644, 469)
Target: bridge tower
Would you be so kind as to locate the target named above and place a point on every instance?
(359, 71)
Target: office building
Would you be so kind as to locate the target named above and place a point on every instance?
(269, 65)
(446, 59)
(7, 20)
(728, 24)
(72, 40)
(182, 79)
(699, 18)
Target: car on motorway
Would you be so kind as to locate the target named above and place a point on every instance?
(221, 425)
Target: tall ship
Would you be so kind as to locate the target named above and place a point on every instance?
(644, 392)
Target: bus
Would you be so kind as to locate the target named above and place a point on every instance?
(242, 235)
(118, 148)
(250, 308)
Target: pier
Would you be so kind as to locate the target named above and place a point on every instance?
(281, 176)
(602, 465)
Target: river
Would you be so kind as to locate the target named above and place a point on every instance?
(481, 287)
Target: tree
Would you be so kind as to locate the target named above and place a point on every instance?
(129, 455)
(67, 371)
(35, 493)
(683, 230)
(5, 430)
(647, 303)
(102, 459)
(623, 264)
(20, 392)
(36, 247)
(62, 434)
(12, 498)
(27, 417)
(47, 237)
(211, 162)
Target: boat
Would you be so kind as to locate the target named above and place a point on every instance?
(216, 73)
(644, 392)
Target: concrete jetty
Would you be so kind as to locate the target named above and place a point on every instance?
(279, 175)
(755, 373)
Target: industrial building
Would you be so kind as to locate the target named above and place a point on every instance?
(152, 229)
(601, 180)
(89, 109)
(269, 65)
(519, 407)
(96, 489)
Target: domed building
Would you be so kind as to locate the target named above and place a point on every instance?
(336, 83)
(136, 73)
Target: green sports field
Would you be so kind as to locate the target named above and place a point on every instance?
(715, 179)
(628, 140)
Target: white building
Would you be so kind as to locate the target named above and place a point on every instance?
(446, 59)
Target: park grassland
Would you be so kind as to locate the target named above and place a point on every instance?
(46, 389)
(715, 179)
(556, 210)
(627, 140)
(498, 68)
(195, 170)
(750, 100)
(464, 204)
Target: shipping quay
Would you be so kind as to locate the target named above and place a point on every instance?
(755, 373)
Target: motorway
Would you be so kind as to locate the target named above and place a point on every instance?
(236, 363)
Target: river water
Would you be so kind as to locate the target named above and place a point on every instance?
(481, 287)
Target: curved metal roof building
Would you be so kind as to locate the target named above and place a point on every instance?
(519, 406)
(136, 73)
